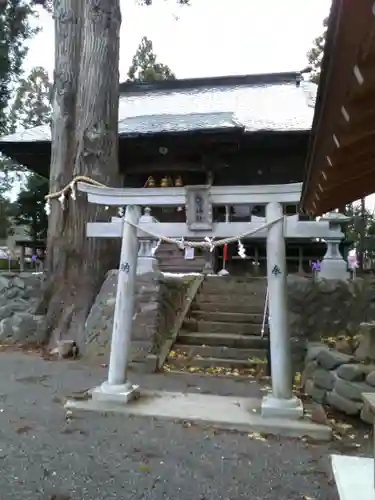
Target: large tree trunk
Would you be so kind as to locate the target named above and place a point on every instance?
(84, 142)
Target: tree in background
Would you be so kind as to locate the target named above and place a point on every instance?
(315, 54)
(29, 208)
(32, 103)
(5, 218)
(145, 67)
(32, 108)
(15, 31)
(360, 217)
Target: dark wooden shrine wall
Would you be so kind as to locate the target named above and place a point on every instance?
(242, 162)
(235, 157)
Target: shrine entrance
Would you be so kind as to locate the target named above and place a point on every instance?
(198, 201)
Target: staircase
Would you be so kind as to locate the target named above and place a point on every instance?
(223, 328)
(172, 260)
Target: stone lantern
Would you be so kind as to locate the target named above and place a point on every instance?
(333, 266)
(147, 261)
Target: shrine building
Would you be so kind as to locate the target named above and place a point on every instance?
(248, 130)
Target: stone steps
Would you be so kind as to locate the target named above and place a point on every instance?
(215, 288)
(224, 281)
(232, 299)
(219, 352)
(227, 363)
(227, 307)
(171, 259)
(179, 269)
(223, 327)
(227, 316)
(216, 339)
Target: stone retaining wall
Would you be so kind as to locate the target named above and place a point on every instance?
(326, 309)
(338, 379)
(19, 296)
(158, 301)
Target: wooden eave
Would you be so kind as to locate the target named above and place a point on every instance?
(341, 158)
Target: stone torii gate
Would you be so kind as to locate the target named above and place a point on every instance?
(198, 201)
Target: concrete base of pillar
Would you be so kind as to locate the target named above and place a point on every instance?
(281, 408)
(147, 265)
(121, 394)
(223, 412)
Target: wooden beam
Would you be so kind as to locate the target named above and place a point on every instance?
(343, 173)
(359, 94)
(338, 196)
(345, 176)
(163, 167)
(354, 149)
(360, 122)
(351, 22)
(351, 142)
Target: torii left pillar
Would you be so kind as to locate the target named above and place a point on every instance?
(118, 389)
(281, 403)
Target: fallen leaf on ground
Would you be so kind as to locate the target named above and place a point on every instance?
(258, 371)
(80, 395)
(23, 429)
(256, 436)
(144, 467)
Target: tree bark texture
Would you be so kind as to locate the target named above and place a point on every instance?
(84, 142)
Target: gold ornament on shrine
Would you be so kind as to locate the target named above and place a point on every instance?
(164, 182)
(150, 182)
(178, 181)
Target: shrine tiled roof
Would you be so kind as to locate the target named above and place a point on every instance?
(252, 104)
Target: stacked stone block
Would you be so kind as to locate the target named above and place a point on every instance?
(19, 296)
(338, 379)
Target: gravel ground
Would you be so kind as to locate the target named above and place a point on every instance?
(104, 457)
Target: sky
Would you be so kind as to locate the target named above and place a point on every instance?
(210, 37)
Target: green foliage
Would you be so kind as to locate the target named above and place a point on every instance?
(29, 208)
(15, 30)
(362, 223)
(6, 266)
(32, 103)
(145, 68)
(31, 108)
(5, 224)
(315, 54)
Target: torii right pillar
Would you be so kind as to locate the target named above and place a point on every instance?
(281, 403)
